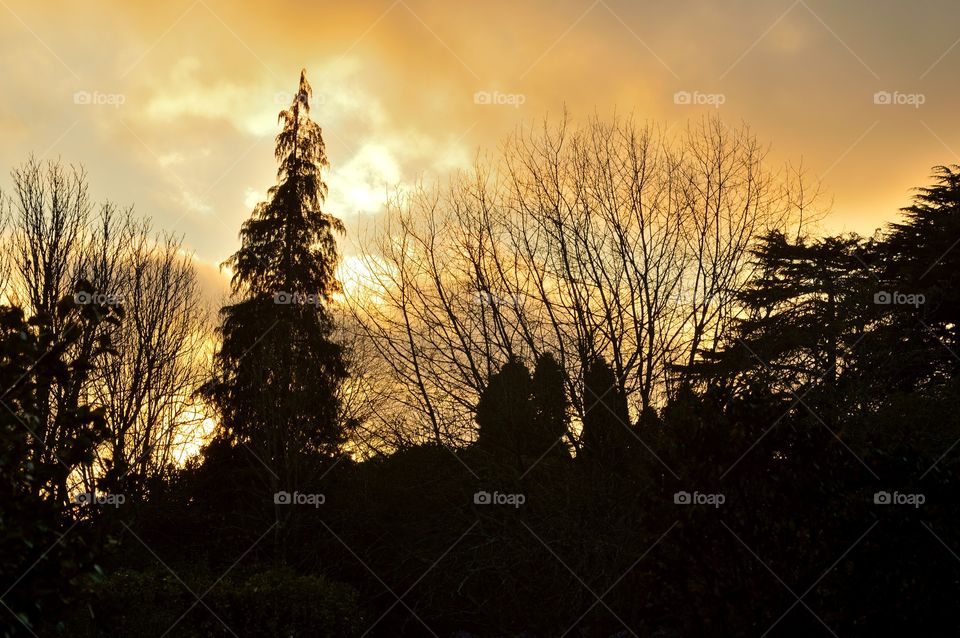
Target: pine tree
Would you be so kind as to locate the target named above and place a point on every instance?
(279, 370)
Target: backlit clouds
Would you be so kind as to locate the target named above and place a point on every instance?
(395, 85)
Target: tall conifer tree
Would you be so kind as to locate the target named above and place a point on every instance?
(278, 370)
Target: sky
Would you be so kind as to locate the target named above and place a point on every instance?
(172, 106)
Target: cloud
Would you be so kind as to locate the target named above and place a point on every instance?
(394, 86)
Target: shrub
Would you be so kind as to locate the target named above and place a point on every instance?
(272, 602)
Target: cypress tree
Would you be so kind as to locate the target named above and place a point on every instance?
(278, 369)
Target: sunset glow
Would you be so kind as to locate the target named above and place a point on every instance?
(187, 92)
(405, 318)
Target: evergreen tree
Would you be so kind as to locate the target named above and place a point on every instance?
(921, 256)
(45, 547)
(278, 368)
(505, 412)
(607, 435)
(549, 404)
(803, 313)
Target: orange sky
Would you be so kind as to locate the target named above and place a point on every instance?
(183, 94)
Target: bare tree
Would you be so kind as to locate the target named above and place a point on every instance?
(368, 394)
(6, 248)
(57, 244)
(146, 388)
(609, 240)
(50, 210)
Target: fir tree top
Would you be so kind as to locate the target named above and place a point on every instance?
(288, 243)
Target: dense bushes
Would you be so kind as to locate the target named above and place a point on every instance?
(46, 548)
(273, 602)
(799, 513)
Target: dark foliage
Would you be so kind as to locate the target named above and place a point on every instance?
(46, 544)
(800, 479)
(278, 370)
(607, 435)
(274, 602)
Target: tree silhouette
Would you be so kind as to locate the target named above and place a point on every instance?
(550, 405)
(39, 561)
(278, 368)
(803, 310)
(920, 256)
(504, 409)
(607, 432)
(522, 416)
